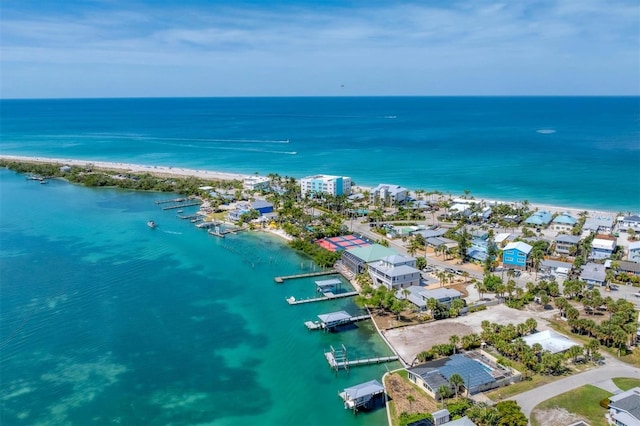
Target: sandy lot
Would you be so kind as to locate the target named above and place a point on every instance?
(411, 340)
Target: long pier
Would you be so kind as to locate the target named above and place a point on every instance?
(338, 359)
(173, 200)
(177, 206)
(282, 279)
(327, 296)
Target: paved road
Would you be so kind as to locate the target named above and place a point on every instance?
(612, 368)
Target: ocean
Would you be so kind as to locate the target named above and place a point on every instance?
(106, 321)
(580, 152)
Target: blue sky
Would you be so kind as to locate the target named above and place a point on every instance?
(129, 48)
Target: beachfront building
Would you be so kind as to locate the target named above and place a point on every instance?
(388, 194)
(634, 251)
(602, 247)
(256, 183)
(599, 224)
(624, 408)
(480, 371)
(593, 274)
(629, 222)
(566, 245)
(357, 259)
(515, 254)
(550, 341)
(540, 218)
(325, 184)
(460, 209)
(395, 272)
(563, 223)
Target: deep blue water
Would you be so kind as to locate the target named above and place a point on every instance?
(571, 151)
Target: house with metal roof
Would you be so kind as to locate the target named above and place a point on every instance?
(624, 408)
(420, 295)
(599, 224)
(395, 272)
(629, 222)
(365, 395)
(602, 247)
(503, 238)
(550, 341)
(479, 249)
(479, 371)
(388, 194)
(566, 244)
(634, 252)
(356, 259)
(632, 268)
(563, 222)
(558, 269)
(515, 254)
(539, 218)
(594, 274)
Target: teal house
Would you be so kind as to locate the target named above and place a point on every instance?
(515, 254)
(539, 218)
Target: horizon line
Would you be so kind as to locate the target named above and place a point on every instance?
(313, 96)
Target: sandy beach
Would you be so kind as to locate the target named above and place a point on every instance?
(208, 174)
(137, 168)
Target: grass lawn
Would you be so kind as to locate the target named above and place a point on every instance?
(626, 383)
(583, 401)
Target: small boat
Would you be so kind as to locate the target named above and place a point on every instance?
(152, 224)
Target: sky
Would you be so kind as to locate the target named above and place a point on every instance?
(167, 48)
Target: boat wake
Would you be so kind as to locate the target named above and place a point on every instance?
(546, 131)
(172, 232)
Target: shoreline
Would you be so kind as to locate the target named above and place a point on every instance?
(226, 176)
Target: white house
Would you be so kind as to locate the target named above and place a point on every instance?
(395, 272)
(550, 341)
(388, 194)
(629, 222)
(253, 183)
(602, 247)
(598, 224)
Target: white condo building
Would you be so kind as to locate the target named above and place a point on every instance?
(325, 184)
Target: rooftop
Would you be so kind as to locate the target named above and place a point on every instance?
(363, 389)
(568, 239)
(520, 246)
(550, 341)
(371, 253)
(628, 401)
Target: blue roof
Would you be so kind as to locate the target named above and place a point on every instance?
(471, 370)
(539, 218)
(566, 219)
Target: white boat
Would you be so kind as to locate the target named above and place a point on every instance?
(151, 224)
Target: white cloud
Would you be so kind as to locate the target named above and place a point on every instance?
(481, 37)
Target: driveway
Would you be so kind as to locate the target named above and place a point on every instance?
(612, 368)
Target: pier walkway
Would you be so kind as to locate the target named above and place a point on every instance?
(282, 279)
(327, 296)
(338, 359)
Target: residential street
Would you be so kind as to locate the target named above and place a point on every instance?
(612, 368)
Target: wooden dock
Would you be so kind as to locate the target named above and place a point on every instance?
(345, 364)
(339, 359)
(180, 205)
(222, 233)
(327, 296)
(282, 279)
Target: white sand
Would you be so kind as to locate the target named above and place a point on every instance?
(206, 174)
(136, 168)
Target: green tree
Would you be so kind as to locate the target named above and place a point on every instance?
(456, 382)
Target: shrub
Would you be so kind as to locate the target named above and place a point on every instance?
(477, 308)
(604, 403)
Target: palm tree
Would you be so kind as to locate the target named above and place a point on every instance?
(443, 392)
(454, 340)
(456, 381)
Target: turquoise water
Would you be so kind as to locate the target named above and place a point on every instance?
(106, 321)
(579, 152)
